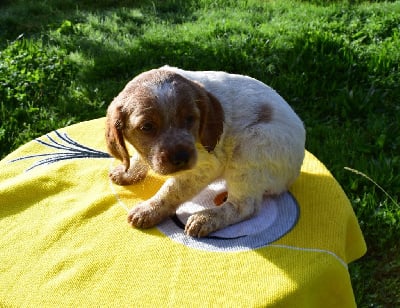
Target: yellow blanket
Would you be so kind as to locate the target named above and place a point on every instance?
(65, 241)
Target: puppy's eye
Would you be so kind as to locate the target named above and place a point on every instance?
(147, 127)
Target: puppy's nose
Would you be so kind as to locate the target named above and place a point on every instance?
(180, 158)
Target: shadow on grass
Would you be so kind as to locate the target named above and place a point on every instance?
(31, 17)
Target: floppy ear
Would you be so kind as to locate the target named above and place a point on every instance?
(114, 137)
(211, 121)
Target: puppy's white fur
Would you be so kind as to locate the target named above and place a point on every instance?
(260, 151)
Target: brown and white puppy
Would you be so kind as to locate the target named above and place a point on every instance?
(197, 127)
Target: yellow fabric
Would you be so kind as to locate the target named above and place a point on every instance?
(65, 242)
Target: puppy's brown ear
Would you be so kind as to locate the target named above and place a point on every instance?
(114, 137)
(211, 121)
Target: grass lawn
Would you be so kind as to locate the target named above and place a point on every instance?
(337, 63)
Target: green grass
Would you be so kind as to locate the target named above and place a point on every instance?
(337, 63)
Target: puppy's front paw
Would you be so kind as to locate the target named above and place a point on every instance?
(145, 216)
(203, 223)
(121, 177)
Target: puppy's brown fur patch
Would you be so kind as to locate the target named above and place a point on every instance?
(264, 114)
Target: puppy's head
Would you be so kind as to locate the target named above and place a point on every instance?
(163, 115)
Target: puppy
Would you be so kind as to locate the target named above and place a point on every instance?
(196, 127)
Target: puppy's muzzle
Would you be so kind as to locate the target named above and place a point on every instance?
(176, 158)
(176, 152)
(180, 159)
